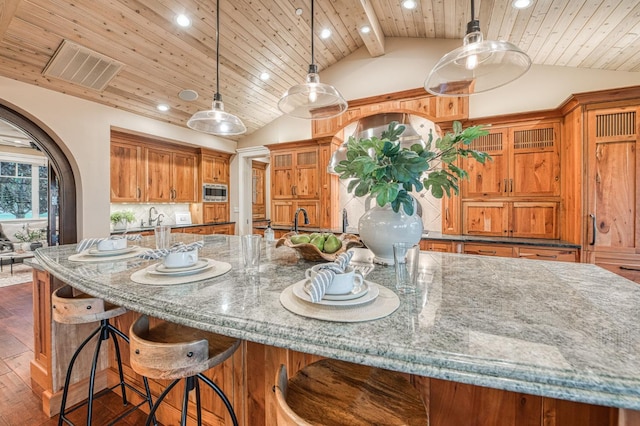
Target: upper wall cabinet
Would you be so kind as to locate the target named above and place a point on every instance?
(127, 173)
(171, 176)
(215, 168)
(526, 162)
(295, 174)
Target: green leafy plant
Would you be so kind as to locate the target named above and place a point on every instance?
(122, 216)
(385, 170)
(29, 235)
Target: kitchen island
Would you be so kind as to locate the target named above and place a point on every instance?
(519, 337)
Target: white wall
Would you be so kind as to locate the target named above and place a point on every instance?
(82, 129)
(407, 64)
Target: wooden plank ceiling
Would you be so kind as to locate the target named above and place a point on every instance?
(161, 59)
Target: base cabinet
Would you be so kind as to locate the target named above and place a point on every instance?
(521, 219)
(282, 213)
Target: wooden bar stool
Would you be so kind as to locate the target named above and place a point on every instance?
(171, 351)
(331, 393)
(71, 306)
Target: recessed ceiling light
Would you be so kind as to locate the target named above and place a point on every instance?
(298, 11)
(163, 107)
(264, 76)
(188, 95)
(365, 29)
(521, 4)
(326, 33)
(409, 4)
(183, 21)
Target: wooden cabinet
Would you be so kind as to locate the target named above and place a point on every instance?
(526, 162)
(523, 219)
(295, 174)
(214, 168)
(144, 171)
(282, 212)
(215, 212)
(258, 189)
(171, 176)
(488, 249)
(438, 245)
(127, 173)
(612, 237)
(546, 253)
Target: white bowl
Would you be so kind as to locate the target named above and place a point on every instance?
(342, 283)
(112, 244)
(181, 259)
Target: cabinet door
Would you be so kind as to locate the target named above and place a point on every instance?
(612, 180)
(127, 173)
(485, 218)
(534, 220)
(215, 169)
(488, 179)
(281, 175)
(313, 212)
(451, 215)
(545, 253)
(282, 213)
(488, 249)
(184, 177)
(535, 161)
(215, 212)
(159, 171)
(307, 180)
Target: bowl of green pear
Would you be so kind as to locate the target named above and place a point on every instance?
(319, 246)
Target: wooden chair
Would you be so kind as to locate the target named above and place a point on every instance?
(70, 306)
(171, 351)
(331, 393)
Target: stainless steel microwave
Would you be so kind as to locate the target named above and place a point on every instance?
(215, 193)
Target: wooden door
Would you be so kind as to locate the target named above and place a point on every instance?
(485, 218)
(158, 167)
(258, 202)
(184, 178)
(282, 175)
(612, 180)
(307, 179)
(126, 173)
(488, 179)
(535, 161)
(534, 220)
(215, 212)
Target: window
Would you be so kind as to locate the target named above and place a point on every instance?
(23, 187)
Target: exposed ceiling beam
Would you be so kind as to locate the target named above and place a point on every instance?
(7, 10)
(374, 39)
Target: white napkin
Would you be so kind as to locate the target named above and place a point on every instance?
(321, 281)
(177, 247)
(88, 242)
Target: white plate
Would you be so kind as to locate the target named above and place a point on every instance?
(200, 263)
(174, 272)
(101, 253)
(353, 294)
(372, 293)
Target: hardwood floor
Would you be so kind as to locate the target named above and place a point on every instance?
(20, 402)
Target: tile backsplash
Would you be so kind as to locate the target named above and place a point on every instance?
(141, 212)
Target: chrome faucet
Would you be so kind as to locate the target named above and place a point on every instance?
(295, 218)
(151, 211)
(159, 219)
(345, 221)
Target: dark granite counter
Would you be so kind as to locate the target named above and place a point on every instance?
(556, 329)
(133, 230)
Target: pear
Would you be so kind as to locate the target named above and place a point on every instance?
(300, 239)
(318, 242)
(332, 244)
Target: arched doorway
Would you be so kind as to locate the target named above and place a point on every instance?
(62, 216)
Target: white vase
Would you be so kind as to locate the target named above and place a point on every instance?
(380, 227)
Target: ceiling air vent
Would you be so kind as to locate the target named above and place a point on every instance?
(82, 66)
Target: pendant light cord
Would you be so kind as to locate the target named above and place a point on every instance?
(312, 51)
(217, 49)
(473, 10)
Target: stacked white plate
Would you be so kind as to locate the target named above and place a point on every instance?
(106, 253)
(160, 270)
(365, 293)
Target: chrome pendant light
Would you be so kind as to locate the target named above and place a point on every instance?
(216, 120)
(477, 66)
(312, 99)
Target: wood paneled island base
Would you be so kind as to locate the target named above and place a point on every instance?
(490, 341)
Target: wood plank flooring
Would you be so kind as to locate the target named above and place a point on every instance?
(20, 403)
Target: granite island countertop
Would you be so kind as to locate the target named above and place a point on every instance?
(555, 329)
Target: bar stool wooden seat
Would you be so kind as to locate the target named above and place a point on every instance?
(172, 351)
(70, 306)
(331, 392)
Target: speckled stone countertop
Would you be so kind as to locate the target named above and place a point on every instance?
(563, 330)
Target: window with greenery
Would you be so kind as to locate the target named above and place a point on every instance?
(23, 189)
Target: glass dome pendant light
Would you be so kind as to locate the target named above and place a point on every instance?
(312, 100)
(477, 66)
(217, 121)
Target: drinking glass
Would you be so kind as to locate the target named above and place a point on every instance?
(163, 236)
(251, 247)
(406, 257)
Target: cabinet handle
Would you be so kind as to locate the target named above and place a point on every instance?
(548, 256)
(446, 215)
(505, 185)
(510, 185)
(593, 229)
(487, 251)
(138, 192)
(629, 268)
